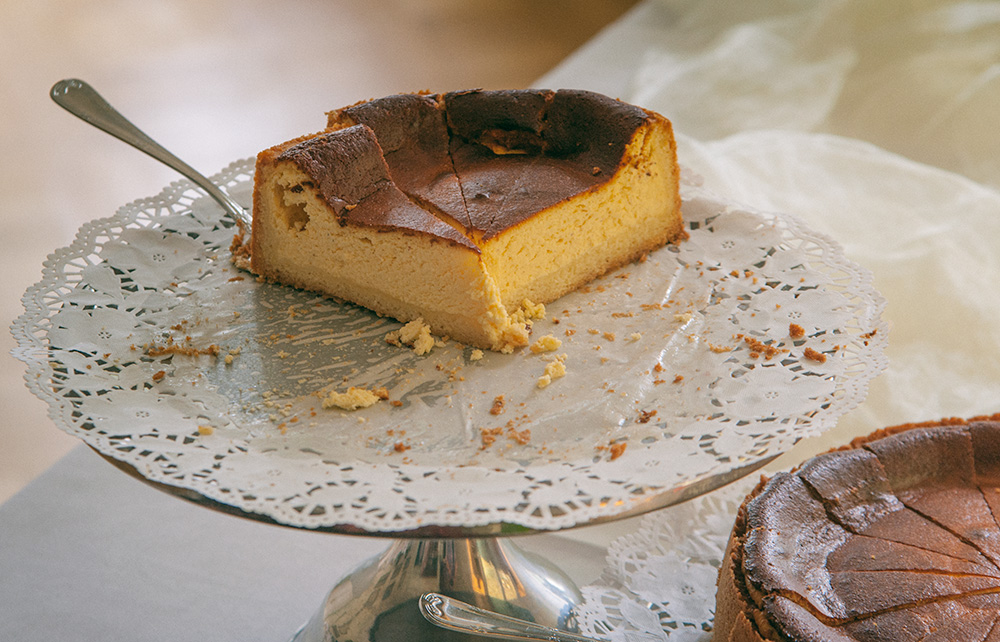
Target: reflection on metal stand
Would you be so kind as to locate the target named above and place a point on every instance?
(379, 602)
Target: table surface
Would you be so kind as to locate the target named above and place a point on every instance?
(89, 553)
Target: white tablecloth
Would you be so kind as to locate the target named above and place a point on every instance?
(877, 123)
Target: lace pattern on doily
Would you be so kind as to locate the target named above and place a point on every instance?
(659, 581)
(685, 359)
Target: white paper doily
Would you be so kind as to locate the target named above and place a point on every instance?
(686, 359)
(659, 581)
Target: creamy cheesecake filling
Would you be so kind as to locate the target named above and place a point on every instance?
(586, 238)
(320, 253)
(459, 208)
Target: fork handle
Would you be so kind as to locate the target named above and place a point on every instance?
(80, 99)
(449, 613)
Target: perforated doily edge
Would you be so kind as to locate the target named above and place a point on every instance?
(30, 349)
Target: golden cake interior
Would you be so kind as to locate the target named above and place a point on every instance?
(459, 208)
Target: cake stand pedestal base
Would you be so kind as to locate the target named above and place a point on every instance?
(378, 602)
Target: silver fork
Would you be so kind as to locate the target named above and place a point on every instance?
(449, 613)
(81, 100)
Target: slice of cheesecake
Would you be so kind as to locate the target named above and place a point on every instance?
(457, 208)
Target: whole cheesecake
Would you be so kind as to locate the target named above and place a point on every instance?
(893, 538)
(460, 208)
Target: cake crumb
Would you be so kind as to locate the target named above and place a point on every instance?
(528, 312)
(521, 437)
(533, 310)
(487, 436)
(758, 348)
(415, 334)
(548, 343)
(814, 355)
(158, 376)
(635, 336)
(240, 252)
(554, 370)
(498, 403)
(205, 430)
(617, 449)
(153, 350)
(796, 331)
(645, 416)
(354, 398)
(476, 355)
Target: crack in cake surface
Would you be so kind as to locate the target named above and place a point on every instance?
(879, 582)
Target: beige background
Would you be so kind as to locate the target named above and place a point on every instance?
(214, 81)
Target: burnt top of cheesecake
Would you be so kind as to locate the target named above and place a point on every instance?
(895, 538)
(348, 169)
(413, 134)
(488, 160)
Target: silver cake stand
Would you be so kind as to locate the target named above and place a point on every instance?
(685, 371)
(480, 565)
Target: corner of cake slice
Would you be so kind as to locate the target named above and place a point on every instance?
(583, 184)
(328, 218)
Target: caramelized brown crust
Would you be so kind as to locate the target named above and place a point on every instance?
(348, 168)
(488, 160)
(517, 153)
(413, 135)
(894, 538)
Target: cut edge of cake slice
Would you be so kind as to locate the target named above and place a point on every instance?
(327, 218)
(608, 225)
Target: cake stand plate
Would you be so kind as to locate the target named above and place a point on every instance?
(683, 371)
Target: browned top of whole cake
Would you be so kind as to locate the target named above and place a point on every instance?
(894, 539)
(487, 160)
